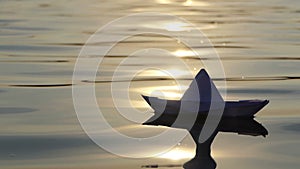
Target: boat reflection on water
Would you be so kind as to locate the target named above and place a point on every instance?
(203, 158)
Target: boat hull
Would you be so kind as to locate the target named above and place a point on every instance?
(245, 108)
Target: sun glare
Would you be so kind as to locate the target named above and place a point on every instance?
(195, 3)
(164, 1)
(164, 73)
(188, 3)
(184, 3)
(184, 53)
(177, 154)
(175, 26)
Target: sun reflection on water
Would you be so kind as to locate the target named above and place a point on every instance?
(184, 2)
(173, 26)
(167, 92)
(163, 73)
(177, 154)
(184, 53)
(176, 26)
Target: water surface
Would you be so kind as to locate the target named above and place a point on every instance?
(258, 42)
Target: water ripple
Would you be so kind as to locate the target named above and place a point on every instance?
(292, 127)
(40, 85)
(34, 61)
(270, 78)
(40, 146)
(15, 110)
(27, 48)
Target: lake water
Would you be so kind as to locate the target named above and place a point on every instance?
(257, 41)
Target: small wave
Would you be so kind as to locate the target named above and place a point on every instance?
(34, 61)
(214, 79)
(40, 85)
(292, 127)
(243, 58)
(15, 110)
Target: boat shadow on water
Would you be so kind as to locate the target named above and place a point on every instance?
(203, 158)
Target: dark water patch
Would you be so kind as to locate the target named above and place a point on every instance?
(15, 110)
(34, 61)
(107, 56)
(66, 44)
(214, 79)
(109, 42)
(150, 41)
(41, 146)
(135, 80)
(271, 78)
(27, 48)
(222, 58)
(242, 58)
(63, 15)
(21, 28)
(229, 46)
(105, 43)
(88, 32)
(44, 5)
(269, 58)
(260, 91)
(161, 166)
(18, 34)
(117, 56)
(254, 21)
(292, 127)
(239, 21)
(41, 85)
(134, 64)
(222, 46)
(10, 20)
(201, 10)
(41, 55)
